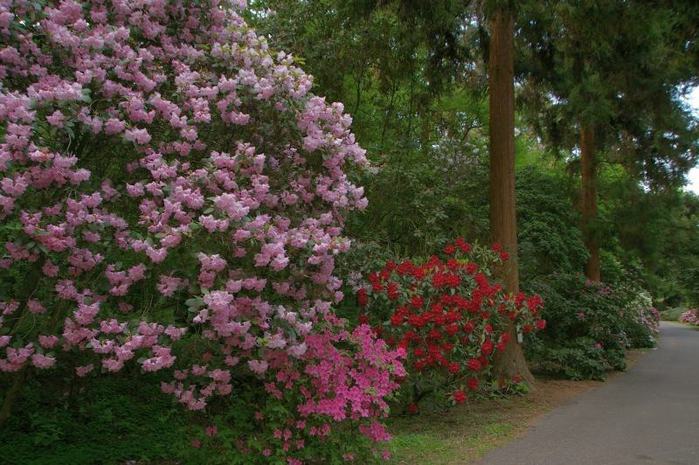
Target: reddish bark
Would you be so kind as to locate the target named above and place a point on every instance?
(588, 206)
(503, 219)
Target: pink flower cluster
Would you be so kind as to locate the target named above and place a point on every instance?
(364, 379)
(690, 317)
(346, 376)
(157, 159)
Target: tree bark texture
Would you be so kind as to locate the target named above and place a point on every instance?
(503, 217)
(588, 203)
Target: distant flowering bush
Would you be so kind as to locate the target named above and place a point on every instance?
(592, 324)
(646, 315)
(450, 316)
(171, 195)
(690, 317)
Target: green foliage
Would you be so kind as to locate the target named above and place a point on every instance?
(578, 360)
(590, 326)
(672, 314)
(414, 208)
(617, 66)
(653, 232)
(549, 237)
(114, 421)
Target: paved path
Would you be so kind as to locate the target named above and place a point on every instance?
(648, 416)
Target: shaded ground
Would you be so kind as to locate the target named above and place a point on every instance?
(648, 416)
(464, 434)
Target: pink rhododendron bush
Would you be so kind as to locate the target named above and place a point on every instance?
(172, 198)
(690, 317)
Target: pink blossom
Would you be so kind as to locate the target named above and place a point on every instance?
(43, 361)
(138, 136)
(258, 366)
(48, 342)
(82, 371)
(34, 306)
(56, 119)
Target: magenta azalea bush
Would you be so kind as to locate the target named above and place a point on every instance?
(172, 196)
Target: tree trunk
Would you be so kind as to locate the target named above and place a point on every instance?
(588, 170)
(503, 217)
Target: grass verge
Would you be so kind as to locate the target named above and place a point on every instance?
(466, 433)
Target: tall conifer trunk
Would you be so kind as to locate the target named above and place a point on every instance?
(503, 217)
(588, 207)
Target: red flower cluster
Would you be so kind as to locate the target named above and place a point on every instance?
(448, 314)
(459, 396)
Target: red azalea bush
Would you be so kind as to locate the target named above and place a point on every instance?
(450, 316)
(172, 197)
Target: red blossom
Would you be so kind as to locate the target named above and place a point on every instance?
(452, 329)
(417, 301)
(463, 245)
(405, 268)
(417, 321)
(392, 290)
(534, 302)
(459, 396)
(487, 347)
(362, 297)
(474, 364)
(397, 319)
(484, 361)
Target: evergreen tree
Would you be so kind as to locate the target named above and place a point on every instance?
(604, 79)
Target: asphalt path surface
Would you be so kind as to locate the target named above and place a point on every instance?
(647, 416)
